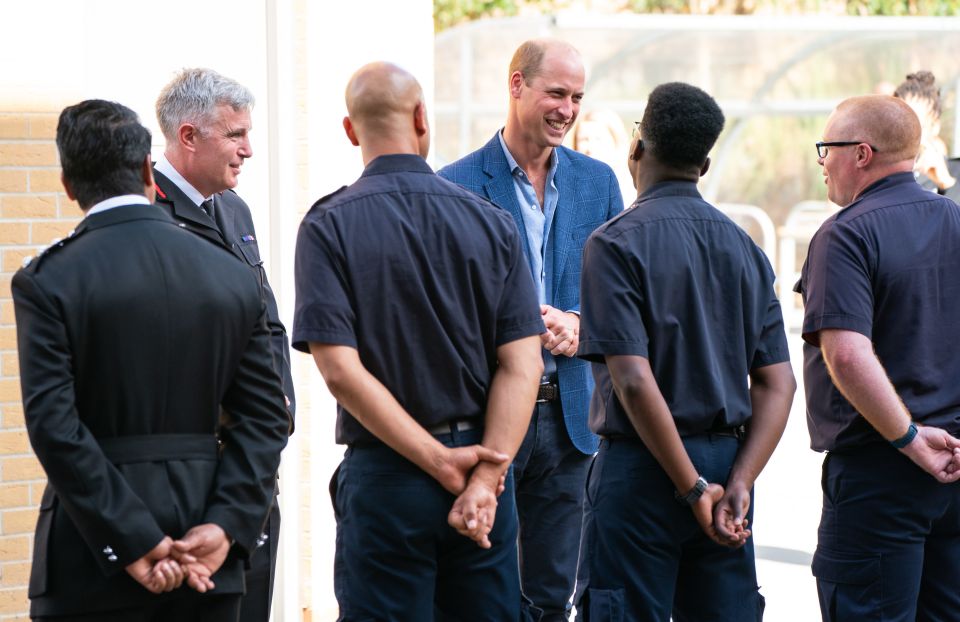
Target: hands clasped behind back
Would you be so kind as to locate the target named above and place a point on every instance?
(195, 558)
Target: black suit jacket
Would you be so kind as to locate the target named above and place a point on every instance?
(233, 228)
(127, 351)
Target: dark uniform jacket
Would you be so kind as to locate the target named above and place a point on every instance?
(127, 351)
(233, 229)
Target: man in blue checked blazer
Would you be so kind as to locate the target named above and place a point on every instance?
(557, 198)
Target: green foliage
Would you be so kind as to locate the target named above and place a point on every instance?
(447, 13)
(659, 6)
(903, 7)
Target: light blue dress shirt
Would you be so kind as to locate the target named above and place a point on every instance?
(537, 223)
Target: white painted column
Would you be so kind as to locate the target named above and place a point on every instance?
(343, 36)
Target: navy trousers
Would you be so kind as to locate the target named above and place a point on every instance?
(396, 558)
(184, 605)
(551, 475)
(649, 558)
(889, 540)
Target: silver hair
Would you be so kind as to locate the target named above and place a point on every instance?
(193, 96)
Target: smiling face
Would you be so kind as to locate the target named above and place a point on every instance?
(223, 145)
(547, 104)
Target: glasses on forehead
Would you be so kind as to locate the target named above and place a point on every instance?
(823, 147)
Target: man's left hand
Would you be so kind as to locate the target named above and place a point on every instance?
(156, 571)
(563, 331)
(730, 515)
(202, 550)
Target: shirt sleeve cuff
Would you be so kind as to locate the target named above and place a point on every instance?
(595, 350)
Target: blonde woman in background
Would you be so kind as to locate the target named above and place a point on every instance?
(600, 134)
(920, 91)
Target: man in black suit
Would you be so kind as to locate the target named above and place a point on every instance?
(127, 352)
(205, 118)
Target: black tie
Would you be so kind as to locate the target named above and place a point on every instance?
(207, 206)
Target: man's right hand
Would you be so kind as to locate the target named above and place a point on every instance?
(937, 452)
(456, 463)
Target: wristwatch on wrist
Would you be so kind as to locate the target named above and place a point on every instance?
(695, 493)
(907, 438)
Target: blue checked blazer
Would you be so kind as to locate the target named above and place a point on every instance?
(589, 195)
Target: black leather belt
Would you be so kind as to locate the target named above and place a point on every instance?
(548, 392)
(738, 432)
(457, 425)
(159, 447)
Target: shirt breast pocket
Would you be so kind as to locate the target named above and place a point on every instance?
(250, 252)
(251, 255)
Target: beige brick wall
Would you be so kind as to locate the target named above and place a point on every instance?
(33, 211)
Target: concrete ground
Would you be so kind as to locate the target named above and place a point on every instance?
(787, 512)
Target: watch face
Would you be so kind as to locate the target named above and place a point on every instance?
(695, 493)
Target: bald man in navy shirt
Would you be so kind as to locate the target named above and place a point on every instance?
(881, 295)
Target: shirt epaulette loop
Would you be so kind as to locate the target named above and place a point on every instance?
(326, 198)
(32, 263)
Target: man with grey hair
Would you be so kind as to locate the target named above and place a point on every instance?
(205, 118)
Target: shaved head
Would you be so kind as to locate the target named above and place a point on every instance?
(386, 111)
(879, 136)
(884, 122)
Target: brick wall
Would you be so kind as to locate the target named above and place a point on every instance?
(33, 212)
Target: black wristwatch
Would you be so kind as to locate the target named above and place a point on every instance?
(695, 493)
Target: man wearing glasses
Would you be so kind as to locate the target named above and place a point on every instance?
(881, 296)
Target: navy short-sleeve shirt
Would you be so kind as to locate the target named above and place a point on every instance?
(886, 266)
(423, 278)
(677, 282)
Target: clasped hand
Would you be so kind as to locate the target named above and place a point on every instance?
(937, 452)
(721, 513)
(477, 476)
(563, 331)
(194, 559)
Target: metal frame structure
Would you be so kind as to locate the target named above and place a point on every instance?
(825, 33)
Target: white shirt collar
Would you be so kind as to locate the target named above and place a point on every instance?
(112, 202)
(163, 165)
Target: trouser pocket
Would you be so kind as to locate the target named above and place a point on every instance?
(848, 585)
(604, 605)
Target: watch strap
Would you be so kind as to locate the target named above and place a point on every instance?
(905, 440)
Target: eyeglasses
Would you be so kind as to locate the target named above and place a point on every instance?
(636, 129)
(822, 147)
